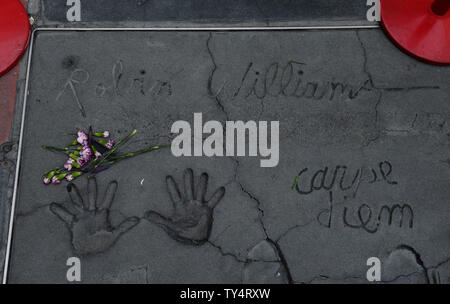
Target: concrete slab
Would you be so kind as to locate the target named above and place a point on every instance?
(364, 136)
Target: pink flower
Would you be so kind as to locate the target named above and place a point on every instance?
(110, 144)
(46, 181)
(97, 154)
(55, 180)
(68, 166)
(69, 177)
(82, 138)
(106, 134)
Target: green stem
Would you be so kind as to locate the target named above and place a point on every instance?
(295, 182)
(48, 172)
(58, 149)
(51, 148)
(105, 156)
(142, 151)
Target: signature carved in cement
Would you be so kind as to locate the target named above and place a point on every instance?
(192, 215)
(89, 223)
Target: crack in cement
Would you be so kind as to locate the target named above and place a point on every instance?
(418, 258)
(32, 211)
(365, 62)
(403, 276)
(251, 196)
(326, 277)
(211, 76)
(237, 258)
(227, 254)
(424, 269)
(380, 89)
(388, 89)
(275, 243)
(293, 228)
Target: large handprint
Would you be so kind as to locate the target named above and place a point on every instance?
(192, 216)
(90, 224)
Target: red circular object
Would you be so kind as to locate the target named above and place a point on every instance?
(419, 27)
(14, 33)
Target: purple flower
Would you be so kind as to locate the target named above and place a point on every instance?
(86, 153)
(110, 144)
(55, 180)
(82, 138)
(69, 177)
(46, 181)
(81, 161)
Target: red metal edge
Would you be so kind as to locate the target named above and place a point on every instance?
(28, 26)
(404, 49)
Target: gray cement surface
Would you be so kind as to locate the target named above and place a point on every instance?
(202, 11)
(353, 100)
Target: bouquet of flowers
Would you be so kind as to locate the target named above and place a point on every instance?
(90, 153)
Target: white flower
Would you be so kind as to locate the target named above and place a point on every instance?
(68, 166)
(110, 144)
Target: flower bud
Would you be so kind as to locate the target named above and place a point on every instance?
(108, 144)
(72, 176)
(74, 155)
(50, 174)
(102, 134)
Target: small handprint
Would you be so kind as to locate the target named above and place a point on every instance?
(192, 216)
(90, 224)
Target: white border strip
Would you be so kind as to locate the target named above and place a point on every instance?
(248, 28)
(16, 178)
(162, 29)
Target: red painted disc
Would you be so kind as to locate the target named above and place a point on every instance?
(14, 33)
(419, 27)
